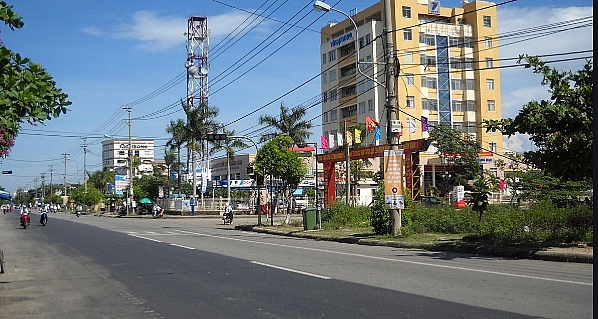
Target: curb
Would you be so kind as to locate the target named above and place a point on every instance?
(517, 253)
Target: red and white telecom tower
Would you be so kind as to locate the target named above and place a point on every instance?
(197, 82)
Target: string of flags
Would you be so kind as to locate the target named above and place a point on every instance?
(330, 141)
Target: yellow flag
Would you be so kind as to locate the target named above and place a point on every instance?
(357, 136)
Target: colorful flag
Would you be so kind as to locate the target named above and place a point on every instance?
(378, 133)
(339, 138)
(370, 124)
(357, 136)
(411, 125)
(349, 137)
(330, 141)
(323, 142)
(424, 124)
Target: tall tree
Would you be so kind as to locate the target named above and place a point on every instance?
(282, 166)
(101, 179)
(289, 122)
(229, 145)
(200, 122)
(27, 92)
(562, 127)
(177, 129)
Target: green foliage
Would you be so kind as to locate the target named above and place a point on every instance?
(458, 149)
(479, 199)
(534, 185)
(562, 128)
(340, 213)
(92, 197)
(27, 92)
(148, 186)
(289, 122)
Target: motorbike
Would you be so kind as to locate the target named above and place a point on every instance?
(43, 218)
(25, 220)
(227, 218)
(77, 213)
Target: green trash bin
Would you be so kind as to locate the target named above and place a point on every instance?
(309, 219)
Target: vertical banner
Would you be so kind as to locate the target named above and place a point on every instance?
(393, 179)
(459, 196)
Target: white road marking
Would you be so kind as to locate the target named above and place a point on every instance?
(145, 238)
(186, 247)
(290, 270)
(396, 260)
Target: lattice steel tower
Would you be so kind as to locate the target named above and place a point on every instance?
(197, 84)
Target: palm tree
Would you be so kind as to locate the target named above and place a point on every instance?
(200, 122)
(101, 179)
(289, 122)
(177, 129)
(228, 146)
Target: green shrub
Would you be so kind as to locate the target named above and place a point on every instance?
(347, 215)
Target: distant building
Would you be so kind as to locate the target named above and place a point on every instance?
(115, 154)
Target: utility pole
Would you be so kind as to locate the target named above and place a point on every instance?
(43, 186)
(347, 164)
(391, 109)
(35, 184)
(51, 173)
(65, 159)
(130, 192)
(85, 162)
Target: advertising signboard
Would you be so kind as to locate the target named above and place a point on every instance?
(393, 179)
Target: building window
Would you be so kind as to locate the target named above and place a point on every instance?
(427, 39)
(332, 75)
(368, 39)
(324, 58)
(489, 63)
(457, 106)
(361, 107)
(325, 117)
(407, 35)
(410, 102)
(488, 42)
(324, 97)
(470, 106)
(331, 55)
(430, 104)
(457, 84)
(361, 87)
(121, 153)
(370, 105)
(361, 43)
(333, 95)
(324, 78)
(369, 84)
(428, 82)
(490, 84)
(409, 79)
(333, 115)
(487, 21)
(408, 57)
(491, 106)
(492, 147)
(427, 60)
(407, 12)
(470, 84)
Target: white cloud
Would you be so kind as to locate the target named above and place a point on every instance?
(516, 143)
(155, 32)
(513, 101)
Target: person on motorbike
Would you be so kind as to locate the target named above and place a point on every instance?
(78, 210)
(228, 213)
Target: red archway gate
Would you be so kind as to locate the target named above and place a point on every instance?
(410, 149)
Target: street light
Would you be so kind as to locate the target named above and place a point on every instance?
(259, 191)
(318, 208)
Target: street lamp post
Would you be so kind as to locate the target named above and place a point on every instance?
(393, 140)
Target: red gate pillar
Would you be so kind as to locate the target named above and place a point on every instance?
(329, 183)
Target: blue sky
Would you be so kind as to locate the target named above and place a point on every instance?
(107, 54)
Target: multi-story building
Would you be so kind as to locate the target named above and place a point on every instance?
(447, 72)
(115, 153)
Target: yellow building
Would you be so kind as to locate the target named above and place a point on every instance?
(448, 72)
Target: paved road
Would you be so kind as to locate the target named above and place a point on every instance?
(91, 267)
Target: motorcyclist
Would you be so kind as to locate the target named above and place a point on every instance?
(228, 213)
(78, 210)
(24, 212)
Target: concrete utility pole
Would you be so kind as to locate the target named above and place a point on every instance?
(393, 139)
(347, 163)
(85, 162)
(65, 159)
(51, 173)
(130, 156)
(43, 176)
